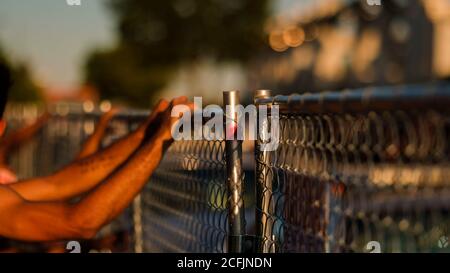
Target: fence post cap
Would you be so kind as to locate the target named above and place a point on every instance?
(262, 93)
(231, 97)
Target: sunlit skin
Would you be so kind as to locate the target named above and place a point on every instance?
(92, 144)
(14, 140)
(38, 209)
(19, 137)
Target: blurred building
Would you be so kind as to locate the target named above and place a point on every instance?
(335, 44)
(81, 94)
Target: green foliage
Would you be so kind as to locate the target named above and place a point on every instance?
(175, 31)
(23, 88)
(118, 75)
(158, 36)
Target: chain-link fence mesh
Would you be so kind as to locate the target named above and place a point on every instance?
(182, 209)
(185, 205)
(350, 168)
(57, 145)
(356, 167)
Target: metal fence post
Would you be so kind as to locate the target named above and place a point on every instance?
(263, 187)
(235, 175)
(137, 225)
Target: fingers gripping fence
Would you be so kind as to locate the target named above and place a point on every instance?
(186, 205)
(194, 201)
(57, 144)
(350, 168)
(354, 167)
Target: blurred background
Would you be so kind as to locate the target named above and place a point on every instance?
(134, 52)
(81, 59)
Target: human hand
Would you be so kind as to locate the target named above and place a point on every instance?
(108, 116)
(150, 123)
(103, 123)
(163, 122)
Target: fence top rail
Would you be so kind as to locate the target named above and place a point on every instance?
(405, 97)
(122, 115)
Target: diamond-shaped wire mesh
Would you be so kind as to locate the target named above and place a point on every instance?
(56, 145)
(341, 178)
(184, 206)
(350, 168)
(182, 209)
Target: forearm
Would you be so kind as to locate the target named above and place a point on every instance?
(16, 138)
(35, 221)
(80, 176)
(113, 196)
(29, 221)
(40, 222)
(92, 144)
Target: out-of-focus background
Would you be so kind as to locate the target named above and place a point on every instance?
(134, 52)
(78, 59)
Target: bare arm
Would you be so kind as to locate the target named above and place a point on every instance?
(120, 189)
(17, 138)
(24, 220)
(92, 144)
(83, 175)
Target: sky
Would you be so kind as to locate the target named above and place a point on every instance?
(54, 38)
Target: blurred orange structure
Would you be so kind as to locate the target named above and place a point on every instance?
(84, 93)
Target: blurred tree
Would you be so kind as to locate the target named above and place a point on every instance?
(156, 37)
(118, 75)
(23, 88)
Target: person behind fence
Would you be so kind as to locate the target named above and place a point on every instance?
(107, 181)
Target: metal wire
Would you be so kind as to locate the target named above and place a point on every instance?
(345, 176)
(351, 168)
(57, 144)
(182, 209)
(185, 205)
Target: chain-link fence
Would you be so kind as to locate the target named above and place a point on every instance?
(57, 145)
(194, 202)
(185, 205)
(182, 209)
(356, 167)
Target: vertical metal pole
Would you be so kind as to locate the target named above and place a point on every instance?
(263, 188)
(138, 238)
(235, 175)
(137, 225)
